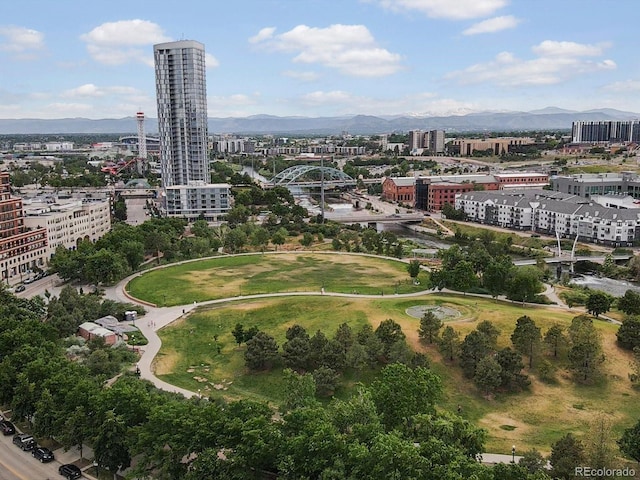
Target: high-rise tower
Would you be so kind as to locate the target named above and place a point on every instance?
(182, 124)
(142, 142)
(182, 111)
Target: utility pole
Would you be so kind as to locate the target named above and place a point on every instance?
(322, 188)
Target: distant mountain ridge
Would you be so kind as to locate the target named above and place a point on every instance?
(550, 118)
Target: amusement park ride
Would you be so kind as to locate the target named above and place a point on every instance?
(115, 169)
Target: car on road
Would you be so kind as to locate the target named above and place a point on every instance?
(43, 454)
(7, 428)
(20, 288)
(28, 280)
(69, 471)
(24, 441)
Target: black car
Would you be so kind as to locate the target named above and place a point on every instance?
(24, 441)
(69, 471)
(43, 454)
(7, 428)
(20, 288)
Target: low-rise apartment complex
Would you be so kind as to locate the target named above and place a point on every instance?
(553, 213)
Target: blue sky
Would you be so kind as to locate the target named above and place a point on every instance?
(314, 58)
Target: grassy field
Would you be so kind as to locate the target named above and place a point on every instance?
(532, 419)
(224, 277)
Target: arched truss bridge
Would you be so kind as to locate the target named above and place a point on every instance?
(309, 175)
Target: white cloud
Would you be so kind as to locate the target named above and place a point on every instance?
(264, 34)
(624, 86)
(350, 49)
(116, 43)
(236, 105)
(449, 9)
(301, 76)
(550, 48)
(339, 102)
(23, 43)
(91, 90)
(492, 25)
(210, 61)
(555, 63)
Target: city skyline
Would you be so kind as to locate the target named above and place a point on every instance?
(319, 58)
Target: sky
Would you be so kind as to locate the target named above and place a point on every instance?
(320, 58)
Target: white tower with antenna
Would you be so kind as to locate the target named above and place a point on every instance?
(142, 142)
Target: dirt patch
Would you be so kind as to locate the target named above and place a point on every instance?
(440, 311)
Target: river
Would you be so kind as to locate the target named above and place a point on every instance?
(617, 288)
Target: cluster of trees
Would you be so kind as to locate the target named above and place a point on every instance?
(123, 249)
(73, 171)
(325, 359)
(484, 267)
(578, 348)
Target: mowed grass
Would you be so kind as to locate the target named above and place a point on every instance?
(532, 419)
(233, 276)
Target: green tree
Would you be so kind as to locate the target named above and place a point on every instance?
(585, 354)
(463, 277)
(524, 284)
(511, 374)
(279, 237)
(238, 333)
(566, 454)
(401, 392)
(600, 445)
(46, 415)
(307, 239)
(533, 461)
(598, 303)
(474, 348)
(296, 353)
(235, 240)
(259, 238)
(261, 352)
(496, 275)
(75, 429)
(628, 333)
(110, 444)
(449, 343)
(344, 336)
(326, 380)
(555, 338)
(389, 332)
(490, 330)
(488, 374)
(629, 303)
(300, 390)
(526, 337)
(413, 268)
(430, 325)
(629, 442)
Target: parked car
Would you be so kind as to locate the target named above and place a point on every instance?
(43, 454)
(28, 280)
(24, 441)
(69, 471)
(20, 288)
(7, 428)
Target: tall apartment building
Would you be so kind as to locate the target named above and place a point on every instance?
(606, 132)
(181, 92)
(435, 141)
(21, 248)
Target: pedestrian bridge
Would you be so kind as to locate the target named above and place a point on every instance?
(357, 217)
(568, 259)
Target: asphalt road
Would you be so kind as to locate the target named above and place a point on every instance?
(18, 465)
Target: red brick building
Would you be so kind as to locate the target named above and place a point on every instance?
(399, 189)
(21, 249)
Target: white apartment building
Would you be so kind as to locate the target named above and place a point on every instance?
(198, 200)
(553, 213)
(69, 221)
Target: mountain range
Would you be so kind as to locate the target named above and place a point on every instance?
(550, 118)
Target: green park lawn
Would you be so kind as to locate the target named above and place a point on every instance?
(536, 418)
(232, 276)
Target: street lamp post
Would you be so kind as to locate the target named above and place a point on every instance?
(513, 454)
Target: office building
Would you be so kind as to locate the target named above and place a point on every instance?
(182, 125)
